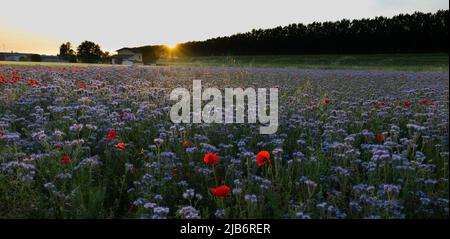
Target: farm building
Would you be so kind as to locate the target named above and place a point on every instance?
(128, 56)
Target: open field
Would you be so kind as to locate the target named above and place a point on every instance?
(97, 142)
(410, 62)
(391, 62)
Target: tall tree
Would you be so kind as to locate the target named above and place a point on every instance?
(89, 52)
(66, 52)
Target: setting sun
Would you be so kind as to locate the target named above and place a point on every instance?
(172, 46)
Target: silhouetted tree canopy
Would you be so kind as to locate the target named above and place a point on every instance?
(89, 52)
(404, 33)
(106, 57)
(67, 53)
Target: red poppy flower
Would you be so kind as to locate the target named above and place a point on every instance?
(211, 159)
(82, 85)
(326, 101)
(66, 160)
(380, 137)
(33, 83)
(186, 143)
(57, 146)
(221, 191)
(379, 105)
(15, 77)
(120, 146)
(112, 135)
(406, 104)
(424, 102)
(2, 79)
(262, 157)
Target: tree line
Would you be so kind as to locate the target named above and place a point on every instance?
(87, 51)
(90, 52)
(404, 33)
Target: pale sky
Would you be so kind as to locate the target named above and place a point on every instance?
(40, 26)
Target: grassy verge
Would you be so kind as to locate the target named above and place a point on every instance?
(50, 64)
(413, 62)
(408, 62)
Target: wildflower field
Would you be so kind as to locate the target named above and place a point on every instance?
(98, 142)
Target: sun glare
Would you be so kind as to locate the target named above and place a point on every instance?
(172, 46)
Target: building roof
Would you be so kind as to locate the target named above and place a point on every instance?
(130, 49)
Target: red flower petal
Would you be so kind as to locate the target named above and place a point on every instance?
(120, 146)
(66, 160)
(211, 159)
(262, 157)
(380, 137)
(112, 135)
(220, 191)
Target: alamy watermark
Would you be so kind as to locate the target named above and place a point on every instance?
(223, 109)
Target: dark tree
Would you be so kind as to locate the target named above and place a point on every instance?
(35, 58)
(89, 52)
(106, 57)
(150, 54)
(66, 52)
